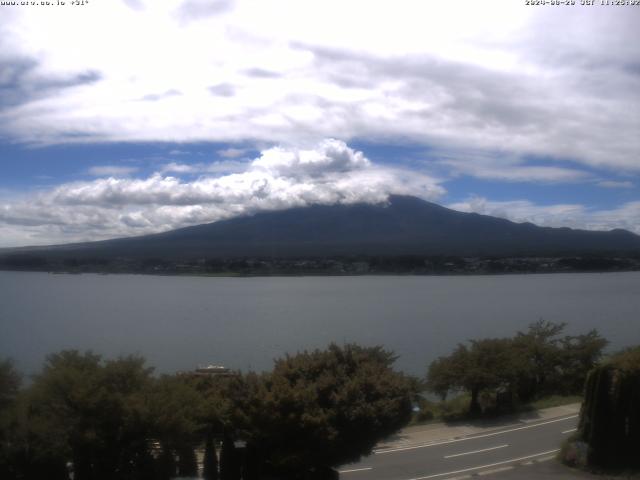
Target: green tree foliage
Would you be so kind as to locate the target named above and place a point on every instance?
(549, 363)
(485, 364)
(579, 354)
(610, 415)
(111, 419)
(176, 411)
(530, 364)
(327, 407)
(94, 411)
(538, 356)
(10, 382)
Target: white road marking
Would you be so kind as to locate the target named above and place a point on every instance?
(492, 434)
(355, 470)
(486, 466)
(475, 451)
(545, 459)
(496, 470)
(570, 430)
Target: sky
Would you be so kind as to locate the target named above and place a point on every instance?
(128, 117)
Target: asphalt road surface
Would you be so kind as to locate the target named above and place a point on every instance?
(479, 454)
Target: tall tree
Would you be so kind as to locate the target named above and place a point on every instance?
(229, 461)
(485, 364)
(187, 461)
(210, 462)
(580, 353)
(252, 463)
(10, 381)
(167, 468)
(539, 353)
(327, 407)
(176, 410)
(95, 409)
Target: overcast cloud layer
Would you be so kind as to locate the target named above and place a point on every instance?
(562, 82)
(499, 91)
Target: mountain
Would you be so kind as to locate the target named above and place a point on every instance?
(402, 226)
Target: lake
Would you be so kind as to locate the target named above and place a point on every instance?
(244, 323)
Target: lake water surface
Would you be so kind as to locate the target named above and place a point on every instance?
(180, 322)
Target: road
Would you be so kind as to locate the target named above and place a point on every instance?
(492, 451)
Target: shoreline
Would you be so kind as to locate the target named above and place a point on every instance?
(319, 275)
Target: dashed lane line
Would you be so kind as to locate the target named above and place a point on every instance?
(496, 470)
(476, 451)
(355, 470)
(470, 469)
(485, 435)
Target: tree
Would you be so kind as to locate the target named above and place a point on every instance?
(210, 462)
(167, 468)
(327, 407)
(187, 461)
(445, 372)
(229, 461)
(484, 365)
(94, 411)
(252, 463)
(531, 363)
(175, 408)
(539, 354)
(580, 354)
(10, 381)
(550, 364)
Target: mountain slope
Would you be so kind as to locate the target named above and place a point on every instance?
(405, 225)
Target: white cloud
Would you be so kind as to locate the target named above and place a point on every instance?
(615, 184)
(111, 171)
(232, 152)
(331, 156)
(219, 167)
(175, 167)
(508, 168)
(483, 76)
(626, 216)
(328, 173)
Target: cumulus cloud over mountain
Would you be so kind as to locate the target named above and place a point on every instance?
(328, 173)
(490, 96)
